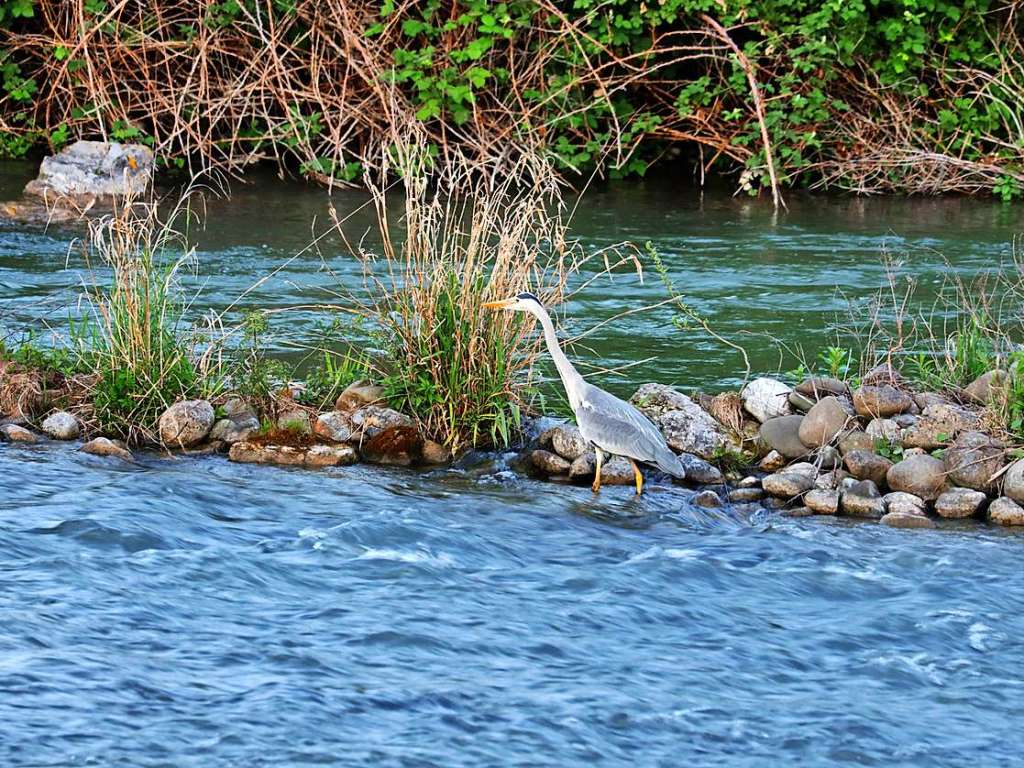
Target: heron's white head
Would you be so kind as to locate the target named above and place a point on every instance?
(521, 302)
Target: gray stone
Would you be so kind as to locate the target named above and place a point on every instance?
(905, 503)
(329, 456)
(823, 501)
(371, 420)
(823, 423)
(903, 520)
(827, 458)
(684, 424)
(582, 467)
(789, 484)
(923, 476)
(335, 426)
(102, 446)
(62, 425)
(568, 442)
(549, 463)
(617, 471)
(1013, 481)
(905, 420)
(708, 499)
(973, 460)
(17, 434)
(831, 480)
(818, 387)
(856, 440)
(925, 399)
(94, 169)
(745, 495)
(960, 502)
(862, 499)
(766, 398)
(986, 387)
(880, 401)
(700, 471)
(295, 420)
(358, 394)
(798, 512)
(800, 403)
(772, 461)
(186, 423)
(939, 425)
(1004, 511)
(884, 429)
(435, 453)
(229, 431)
(865, 465)
(782, 434)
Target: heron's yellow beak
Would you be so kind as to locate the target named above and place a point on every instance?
(503, 304)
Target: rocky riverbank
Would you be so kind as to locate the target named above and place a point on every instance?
(879, 451)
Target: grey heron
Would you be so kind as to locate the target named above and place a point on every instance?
(612, 425)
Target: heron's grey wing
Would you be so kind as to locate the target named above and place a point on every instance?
(617, 427)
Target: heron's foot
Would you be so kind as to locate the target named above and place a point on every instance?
(639, 477)
(596, 485)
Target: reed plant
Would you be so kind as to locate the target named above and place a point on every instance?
(463, 237)
(134, 338)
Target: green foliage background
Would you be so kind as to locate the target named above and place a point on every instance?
(615, 83)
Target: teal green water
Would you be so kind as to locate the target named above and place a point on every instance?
(759, 276)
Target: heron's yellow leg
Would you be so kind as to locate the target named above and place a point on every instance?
(597, 472)
(639, 478)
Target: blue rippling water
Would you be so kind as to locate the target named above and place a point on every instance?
(195, 613)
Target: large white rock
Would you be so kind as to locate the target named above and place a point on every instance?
(94, 168)
(766, 398)
(186, 423)
(61, 425)
(686, 426)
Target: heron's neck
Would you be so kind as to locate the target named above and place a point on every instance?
(571, 379)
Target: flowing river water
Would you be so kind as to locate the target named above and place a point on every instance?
(192, 612)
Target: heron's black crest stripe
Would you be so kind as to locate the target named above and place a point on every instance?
(527, 295)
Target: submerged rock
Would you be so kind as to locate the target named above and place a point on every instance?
(700, 471)
(435, 453)
(102, 446)
(186, 423)
(1004, 511)
(617, 471)
(765, 398)
(904, 520)
(313, 457)
(398, 446)
(706, 499)
(62, 425)
(746, 495)
(549, 463)
(17, 434)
